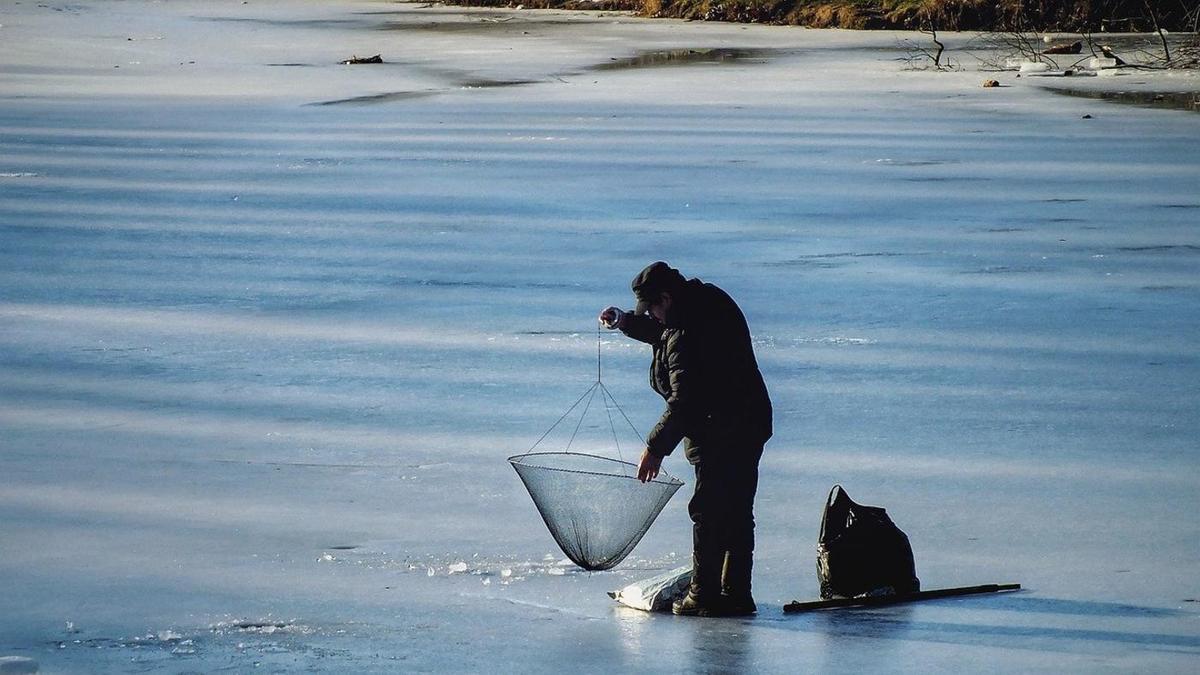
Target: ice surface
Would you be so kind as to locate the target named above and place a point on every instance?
(263, 359)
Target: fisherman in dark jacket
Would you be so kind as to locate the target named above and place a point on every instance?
(717, 404)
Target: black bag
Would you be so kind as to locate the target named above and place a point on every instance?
(862, 552)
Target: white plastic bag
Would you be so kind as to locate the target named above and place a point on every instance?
(656, 593)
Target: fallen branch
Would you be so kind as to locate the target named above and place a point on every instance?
(356, 60)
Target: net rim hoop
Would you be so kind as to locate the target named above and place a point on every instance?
(663, 478)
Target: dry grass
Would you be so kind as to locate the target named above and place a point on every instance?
(1085, 16)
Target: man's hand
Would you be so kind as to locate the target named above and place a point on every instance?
(612, 318)
(649, 466)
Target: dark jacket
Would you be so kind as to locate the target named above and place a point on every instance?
(704, 367)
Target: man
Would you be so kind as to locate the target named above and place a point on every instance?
(717, 404)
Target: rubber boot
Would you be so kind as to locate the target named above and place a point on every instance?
(736, 599)
(704, 593)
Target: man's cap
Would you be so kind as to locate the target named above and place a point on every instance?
(652, 281)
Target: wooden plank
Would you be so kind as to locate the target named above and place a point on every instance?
(794, 607)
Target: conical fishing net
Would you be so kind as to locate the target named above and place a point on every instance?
(595, 507)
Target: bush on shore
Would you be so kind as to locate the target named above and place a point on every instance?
(988, 15)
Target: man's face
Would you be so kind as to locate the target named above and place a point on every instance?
(659, 308)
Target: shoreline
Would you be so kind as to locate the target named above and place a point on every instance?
(849, 14)
(140, 62)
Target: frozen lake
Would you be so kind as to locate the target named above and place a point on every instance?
(271, 325)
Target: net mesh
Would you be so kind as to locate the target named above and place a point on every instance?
(594, 506)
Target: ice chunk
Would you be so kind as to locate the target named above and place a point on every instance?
(457, 568)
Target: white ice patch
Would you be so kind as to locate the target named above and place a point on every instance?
(505, 570)
(12, 665)
(770, 342)
(839, 340)
(266, 627)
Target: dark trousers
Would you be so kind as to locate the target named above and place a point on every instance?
(722, 507)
